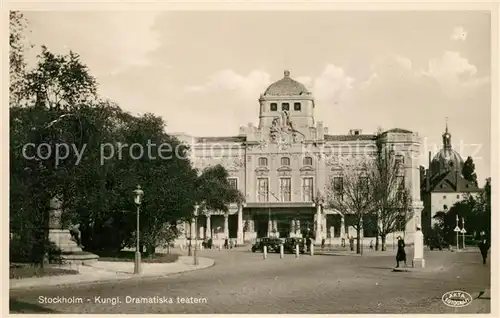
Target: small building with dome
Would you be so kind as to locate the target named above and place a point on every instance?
(443, 183)
(284, 165)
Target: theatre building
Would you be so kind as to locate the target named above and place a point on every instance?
(284, 165)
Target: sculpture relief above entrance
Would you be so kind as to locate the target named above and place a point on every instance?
(283, 133)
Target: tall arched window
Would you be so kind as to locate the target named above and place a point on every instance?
(285, 161)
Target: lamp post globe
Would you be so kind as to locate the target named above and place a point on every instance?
(138, 194)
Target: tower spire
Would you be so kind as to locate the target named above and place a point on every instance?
(446, 137)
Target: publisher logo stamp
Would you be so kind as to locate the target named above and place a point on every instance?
(456, 299)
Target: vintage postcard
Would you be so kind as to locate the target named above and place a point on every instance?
(291, 159)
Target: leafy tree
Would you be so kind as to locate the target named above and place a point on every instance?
(468, 170)
(60, 81)
(354, 197)
(391, 197)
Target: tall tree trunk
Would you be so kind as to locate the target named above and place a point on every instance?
(383, 237)
(358, 240)
(376, 242)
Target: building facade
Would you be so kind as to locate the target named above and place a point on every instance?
(443, 184)
(284, 165)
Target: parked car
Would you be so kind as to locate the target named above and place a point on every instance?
(273, 244)
(291, 244)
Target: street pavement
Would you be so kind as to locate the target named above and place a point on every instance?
(243, 282)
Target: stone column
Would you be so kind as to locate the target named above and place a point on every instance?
(418, 253)
(193, 229)
(323, 217)
(342, 227)
(208, 230)
(269, 228)
(226, 226)
(318, 223)
(275, 227)
(251, 225)
(415, 222)
(239, 236)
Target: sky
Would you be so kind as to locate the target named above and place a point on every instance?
(203, 71)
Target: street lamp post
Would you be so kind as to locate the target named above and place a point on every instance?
(463, 231)
(195, 259)
(457, 230)
(138, 193)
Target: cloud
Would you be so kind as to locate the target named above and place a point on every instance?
(107, 43)
(459, 34)
(249, 86)
(454, 72)
(332, 84)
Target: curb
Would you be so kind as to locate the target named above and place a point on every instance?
(129, 277)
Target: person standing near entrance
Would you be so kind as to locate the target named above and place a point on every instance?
(484, 246)
(401, 254)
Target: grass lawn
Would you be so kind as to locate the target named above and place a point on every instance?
(129, 256)
(25, 271)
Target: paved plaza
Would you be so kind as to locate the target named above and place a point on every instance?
(242, 282)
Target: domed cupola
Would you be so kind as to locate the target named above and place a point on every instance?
(286, 87)
(446, 159)
(287, 98)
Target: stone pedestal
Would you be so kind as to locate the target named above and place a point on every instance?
(418, 254)
(71, 252)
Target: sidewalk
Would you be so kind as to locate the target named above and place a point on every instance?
(110, 271)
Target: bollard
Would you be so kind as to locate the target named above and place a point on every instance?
(282, 251)
(220, 247)
(311, 249)
(297, 251)
(265, 252)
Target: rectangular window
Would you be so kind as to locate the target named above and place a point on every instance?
(262, 162)
(338, 188)
(274, 107)
(285, 161)
(285, 106)
(286, 189)
(296, 106)
(263, 189)
(307, 189)
(308, 161)
(233, 183)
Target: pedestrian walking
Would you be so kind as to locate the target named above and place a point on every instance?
(484, 246)
(226, 243)
(308, 243)
(401, 254)
(371, 244)
(323, 243)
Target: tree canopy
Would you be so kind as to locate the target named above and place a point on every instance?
(68, 142)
